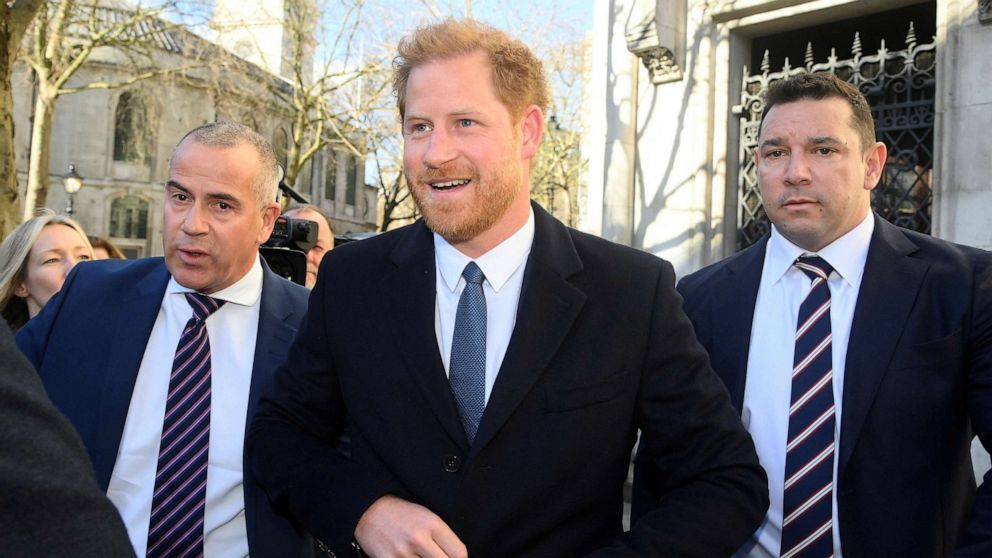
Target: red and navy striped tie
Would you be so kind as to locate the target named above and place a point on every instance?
(807, 514)
(176, 525)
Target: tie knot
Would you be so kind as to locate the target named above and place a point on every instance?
(203, 305)
(473, 274)
(814, 266)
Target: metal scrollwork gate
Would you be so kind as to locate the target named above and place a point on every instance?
(900, 88)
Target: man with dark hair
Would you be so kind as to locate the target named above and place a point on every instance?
(159, 363)
(473, 384)
(859, 354)
(325, 237)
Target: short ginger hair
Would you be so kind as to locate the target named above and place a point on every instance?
(518, 75)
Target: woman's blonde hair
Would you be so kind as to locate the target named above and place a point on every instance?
(14, 253)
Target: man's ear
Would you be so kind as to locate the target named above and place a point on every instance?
(531, 131)
(269, 216)
(874, 163)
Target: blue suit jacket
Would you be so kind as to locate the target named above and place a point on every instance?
(87, 345)
(918, 383)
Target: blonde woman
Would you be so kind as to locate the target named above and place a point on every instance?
(34, 261)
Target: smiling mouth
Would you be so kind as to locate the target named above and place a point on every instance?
(451, 184)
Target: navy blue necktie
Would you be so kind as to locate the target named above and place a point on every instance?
(176, 525)
(467, 367)
(807, 509)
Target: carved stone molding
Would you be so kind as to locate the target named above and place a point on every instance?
(655, 33)
(985, 11)
(661, 64)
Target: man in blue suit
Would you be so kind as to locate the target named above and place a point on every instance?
(888, 373)
(158, 363)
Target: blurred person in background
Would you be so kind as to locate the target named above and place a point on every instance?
(104, 249)
(34, 261)
(325, 237)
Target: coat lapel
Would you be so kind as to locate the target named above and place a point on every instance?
(731, 315)
(274, 334)
(888, 291)
(137, 311)
(549, 304)
(410, 303)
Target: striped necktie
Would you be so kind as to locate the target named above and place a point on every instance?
(467, 366)
(807, 513)
(176, 525)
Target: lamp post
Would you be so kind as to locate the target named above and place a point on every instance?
(73, 182)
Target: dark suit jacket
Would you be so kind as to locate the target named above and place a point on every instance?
(363, 408)
(918, 373)
(50, 501)
(87, 345)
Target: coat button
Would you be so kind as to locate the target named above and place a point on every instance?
(452, 463)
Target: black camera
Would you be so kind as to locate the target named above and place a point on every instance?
(286, 249)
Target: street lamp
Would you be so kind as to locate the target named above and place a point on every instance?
(73, 182)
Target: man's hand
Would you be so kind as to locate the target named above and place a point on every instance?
(395, 528)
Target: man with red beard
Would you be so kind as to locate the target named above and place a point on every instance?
(473, 384)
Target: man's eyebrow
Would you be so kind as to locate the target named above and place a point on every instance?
(173, 184)
(823, 140)
(222, 196)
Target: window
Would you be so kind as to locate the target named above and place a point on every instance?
(352, 178)
(331, 175)
(131, 129)
(129, 218)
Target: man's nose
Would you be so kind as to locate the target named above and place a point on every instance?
(193, 222)
(440, 148)
(797, 172)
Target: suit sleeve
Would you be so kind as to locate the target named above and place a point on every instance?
(298, 442)
(52, 504)
(977, 538)
(706, 493)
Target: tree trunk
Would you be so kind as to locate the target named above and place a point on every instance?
(41, 148)
(9, 199)
(15, 16)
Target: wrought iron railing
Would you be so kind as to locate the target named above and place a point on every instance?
(900, 87)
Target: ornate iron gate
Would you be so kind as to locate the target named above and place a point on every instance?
(900, 88)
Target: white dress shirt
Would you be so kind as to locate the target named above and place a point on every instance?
(232, 331)
(769, 365)
(503, 267)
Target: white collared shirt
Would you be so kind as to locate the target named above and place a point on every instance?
(503, 267)
(232, 331)
(770, 358)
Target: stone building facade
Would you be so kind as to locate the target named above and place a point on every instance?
(120, 140)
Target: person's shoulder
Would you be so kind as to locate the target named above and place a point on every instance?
(939, 251)
(380, 244)
(294, 293)
(595, 250)
(104, 273)
(750, 256)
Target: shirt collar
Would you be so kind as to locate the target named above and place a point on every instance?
(245, 291)
(497, 264)
(847, 255)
